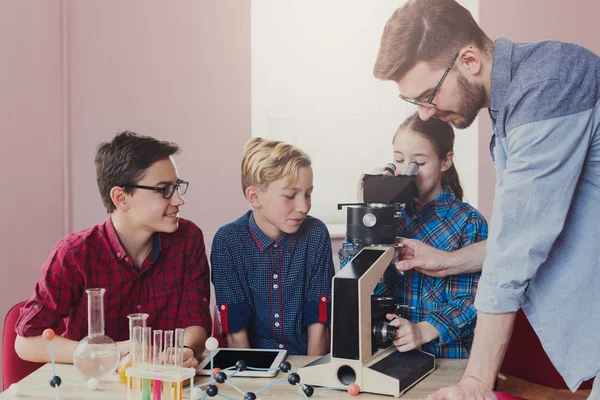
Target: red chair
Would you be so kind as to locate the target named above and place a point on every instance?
(526, 359)
(13, 367)
(504, 396)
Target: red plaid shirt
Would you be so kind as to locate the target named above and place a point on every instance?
(172, 286)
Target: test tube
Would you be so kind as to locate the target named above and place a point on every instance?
(156, 353)
(157, 347)
(178, 390)
(146, 359)
(179, 347)
(168, 348)
(136, 358)
(168, 361)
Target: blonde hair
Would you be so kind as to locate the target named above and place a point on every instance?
(266, 161)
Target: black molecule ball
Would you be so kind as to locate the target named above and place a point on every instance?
(308, 390)
(285, 366)
(55, 381)
(212, 390)
(249, 396)
(241, 365)
(293, 378)
(221, 377)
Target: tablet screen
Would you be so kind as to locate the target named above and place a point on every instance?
(257, 359)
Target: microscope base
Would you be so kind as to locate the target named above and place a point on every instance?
(387, 372)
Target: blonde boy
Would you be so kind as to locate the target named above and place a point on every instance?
(272, 267)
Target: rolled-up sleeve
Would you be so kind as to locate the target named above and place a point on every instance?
(544, 160)
(458, 317)
(317, 305)
(60, 286)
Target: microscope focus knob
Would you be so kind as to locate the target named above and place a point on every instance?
(369, 220)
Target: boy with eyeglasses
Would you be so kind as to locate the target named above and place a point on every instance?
(147, 258)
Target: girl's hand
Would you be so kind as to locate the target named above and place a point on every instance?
(411, 336)
(361, 184)
(408, 335)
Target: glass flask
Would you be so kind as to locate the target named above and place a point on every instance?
(135, 319)
(96, 355)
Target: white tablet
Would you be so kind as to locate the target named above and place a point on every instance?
(260, 362)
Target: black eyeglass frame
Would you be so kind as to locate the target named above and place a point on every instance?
(168, 190)
(429, 102)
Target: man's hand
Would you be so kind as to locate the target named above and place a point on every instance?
(469, 388)
(415, 254)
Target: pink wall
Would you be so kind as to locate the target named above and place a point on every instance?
(31, 148)
(176, 70)
(530, 20)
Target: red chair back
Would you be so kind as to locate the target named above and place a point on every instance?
(13, 367)
(526, 359)
(504, 396)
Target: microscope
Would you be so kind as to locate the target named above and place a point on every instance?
(361, 337)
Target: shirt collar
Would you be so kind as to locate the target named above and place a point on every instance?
(119, 250)
(262, 241)
(501, 73)
(441, 205)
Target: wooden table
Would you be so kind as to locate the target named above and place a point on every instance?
(447, 372)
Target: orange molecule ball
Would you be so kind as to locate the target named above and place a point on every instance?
(353, 389)
(48, 335)
(216, 371)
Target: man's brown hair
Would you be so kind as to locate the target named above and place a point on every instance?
(429, 31)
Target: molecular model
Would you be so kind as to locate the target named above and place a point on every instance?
(219, 376)
(16, 389)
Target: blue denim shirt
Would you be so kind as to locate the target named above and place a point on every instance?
(543, 253)
(275, 289)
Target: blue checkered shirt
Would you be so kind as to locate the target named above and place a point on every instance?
(446, 303)
(274, 289)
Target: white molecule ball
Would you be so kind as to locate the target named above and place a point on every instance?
(92, 383)
(14, 390)
(197, 393)
(211, 344)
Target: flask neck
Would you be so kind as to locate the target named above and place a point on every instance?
(95, 311)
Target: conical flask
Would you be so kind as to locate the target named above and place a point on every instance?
(96, 355)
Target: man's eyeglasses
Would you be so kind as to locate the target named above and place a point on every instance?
(429, 102)
(168, 190)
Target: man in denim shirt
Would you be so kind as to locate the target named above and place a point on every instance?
(542, 252)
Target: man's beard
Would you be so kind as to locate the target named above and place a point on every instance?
(473, 100)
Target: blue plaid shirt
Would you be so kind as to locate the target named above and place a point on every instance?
(446, 303)
(274, 289)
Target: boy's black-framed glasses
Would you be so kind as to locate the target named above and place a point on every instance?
(168, 190)
(429, 102)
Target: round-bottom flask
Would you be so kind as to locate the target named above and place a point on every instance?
(96, 355)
